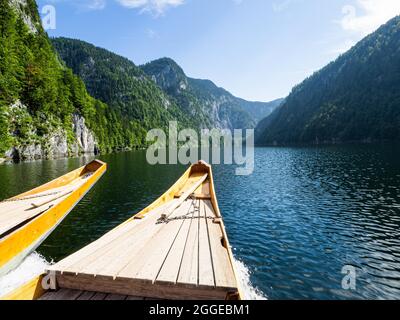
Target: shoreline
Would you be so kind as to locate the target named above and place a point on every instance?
(10, 161)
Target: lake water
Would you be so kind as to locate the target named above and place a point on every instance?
(303, 215)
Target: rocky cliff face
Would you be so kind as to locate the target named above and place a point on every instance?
(204, 100)
(85, 139)
(53, 145)
(124, 87)
(171, 78)
(25, 10)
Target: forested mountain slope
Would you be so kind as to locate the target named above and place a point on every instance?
(45, 110)
(216, 106)
(118, 82)
(355, 98)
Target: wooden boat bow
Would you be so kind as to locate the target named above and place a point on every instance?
(176, 248)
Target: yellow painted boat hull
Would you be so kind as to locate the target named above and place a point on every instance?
(19, 243)
(34, 289)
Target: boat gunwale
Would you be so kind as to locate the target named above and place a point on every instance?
(56, 210)
(71, 175)
(167, 196)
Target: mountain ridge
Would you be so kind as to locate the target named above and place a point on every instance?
(201, 102)
(121, 84)
(354, 98)
(50, 108)
(225, 110)
(45, 109)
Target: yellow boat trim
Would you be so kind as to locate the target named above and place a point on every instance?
(30, 235)
(184, 181)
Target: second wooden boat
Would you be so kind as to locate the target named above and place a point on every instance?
(177, 248)
(28, 219)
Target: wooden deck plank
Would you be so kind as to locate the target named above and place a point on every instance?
(112, 257)
(223, 270)
(188, 273)
(19, 218)
(99, 296)
(126, 249)
(206, 188)
(15, 213)
(187, 192)
(148, 262)
(134, 298)
(206, 270)
(116, 297)
(81, 258)
(86, 295)
(62, 294)
(147, 258)
(116, 260)
(47, 296)
(16, 210)
(89, 254)
(191, 181)
(139, 288)
(170, 269)
(12, 205)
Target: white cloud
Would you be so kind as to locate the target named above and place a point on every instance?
(361, 19)
(96, 4)
(282, 5)
(156, 7)
(368, 15)
(83, 5)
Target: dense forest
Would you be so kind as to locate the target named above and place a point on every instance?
(120, 84)
(39, 95)
(355, 98)
(158, 91)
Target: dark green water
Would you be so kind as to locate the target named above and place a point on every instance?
(303, 215)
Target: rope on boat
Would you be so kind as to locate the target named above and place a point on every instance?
(161, 221)
(84, 177)
(32, 197)
(189, 216)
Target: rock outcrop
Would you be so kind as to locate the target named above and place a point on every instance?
(85, 138)
(202, 99)
(53, 145)
(22, 7)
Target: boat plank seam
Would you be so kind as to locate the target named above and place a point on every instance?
(206, 268)
(165, 270)
(158, 246)
(96, 247)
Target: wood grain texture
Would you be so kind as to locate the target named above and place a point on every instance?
(182, 257)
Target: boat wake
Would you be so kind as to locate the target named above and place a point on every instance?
(32, 266)
(249, 291)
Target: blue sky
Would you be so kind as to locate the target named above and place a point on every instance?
(256, 49)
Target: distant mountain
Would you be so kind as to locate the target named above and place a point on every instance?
(260, 110)
(158, 91)
(64, 97)
(355, 98)
(202, 98)
(118, 82)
